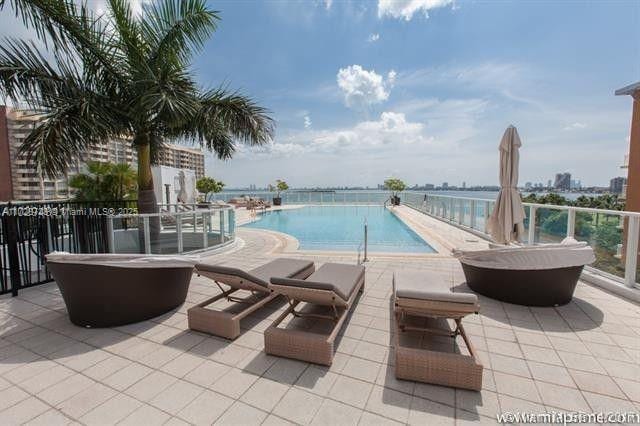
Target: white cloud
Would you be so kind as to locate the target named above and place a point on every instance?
(507, 81)
(388, 133)
(391, 78)
(307, 121)
(405, 9)
(327, 4)
(575, 126)
(373, 37)
(363, 88)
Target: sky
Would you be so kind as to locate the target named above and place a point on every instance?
(423, 90)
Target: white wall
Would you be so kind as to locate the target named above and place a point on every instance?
(182, 184)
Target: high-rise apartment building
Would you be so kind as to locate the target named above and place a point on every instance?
(617, 184)
(21, 180)
(563, 181)
(182, 157)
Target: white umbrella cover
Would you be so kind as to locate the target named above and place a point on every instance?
(506, 222)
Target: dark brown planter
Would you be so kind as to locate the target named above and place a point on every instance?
(395, 200)
(543, 287)
(277, 201)
(109, 296)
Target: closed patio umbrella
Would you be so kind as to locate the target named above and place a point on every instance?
(506, 222)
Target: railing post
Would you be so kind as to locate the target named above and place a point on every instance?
(321, 198)
(451, 213)
(472, 212)
(366, 242)
(205, 234)
(11, 224)
(147, 235)
(110, 236)
(221, 227)
(532, 224)
(179, 233)
(571, 222)
(631, 251)
(231, 215)
(487, 207)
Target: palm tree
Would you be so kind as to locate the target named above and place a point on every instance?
(104, 182)
(118, 75)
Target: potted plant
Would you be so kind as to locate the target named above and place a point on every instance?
(279, 187)
(396, 186)
(207, 185)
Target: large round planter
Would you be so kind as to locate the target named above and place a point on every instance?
(395, 200)
(277, 201)
(542, 287)
(110, 296)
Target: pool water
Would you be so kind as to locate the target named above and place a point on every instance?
(342, 228)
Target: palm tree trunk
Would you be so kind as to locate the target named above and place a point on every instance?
(147, 202)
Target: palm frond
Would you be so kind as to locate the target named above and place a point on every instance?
(128, 31)
(177, 28)
(26, 74)
(69, 28)
(53, 145)
(239, 115)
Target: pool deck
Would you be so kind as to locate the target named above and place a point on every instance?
(580, 357)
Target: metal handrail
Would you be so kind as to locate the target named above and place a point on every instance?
(365, 243)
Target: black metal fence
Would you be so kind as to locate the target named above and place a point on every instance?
(29, 231)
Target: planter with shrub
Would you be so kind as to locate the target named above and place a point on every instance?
(205, 186)
(279, 187)
(396, 186)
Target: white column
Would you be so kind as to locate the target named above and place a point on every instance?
(205, 234)
(532, 224)
(110, 236)
(472, 212)
(147, 235)
(179, 233)
(571, 222)
(631, 252)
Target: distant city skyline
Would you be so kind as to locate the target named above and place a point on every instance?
(362, 91)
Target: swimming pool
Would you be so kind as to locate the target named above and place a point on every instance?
(341, 228)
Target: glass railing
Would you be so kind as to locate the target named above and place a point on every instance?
(604, 230)
(310, 197)
(185, 229)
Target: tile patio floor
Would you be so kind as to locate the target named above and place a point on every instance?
(583, 356)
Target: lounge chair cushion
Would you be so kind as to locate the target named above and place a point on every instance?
(430, 286)
(261, 275)
(337, 277)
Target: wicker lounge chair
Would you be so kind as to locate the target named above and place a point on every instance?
(256, 281)
(330, 293)
(423, 303)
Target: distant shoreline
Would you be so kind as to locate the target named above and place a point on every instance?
(483, 195)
